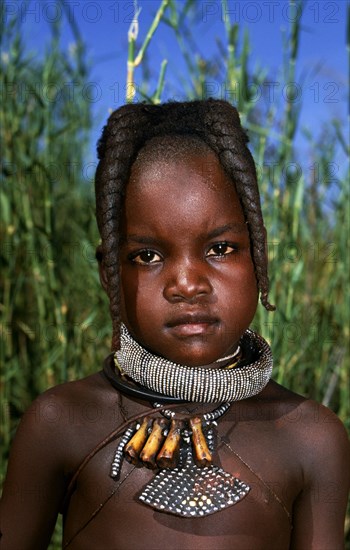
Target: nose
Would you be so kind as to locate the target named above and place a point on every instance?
(187, 281)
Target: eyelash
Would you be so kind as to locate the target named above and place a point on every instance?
(133, 257)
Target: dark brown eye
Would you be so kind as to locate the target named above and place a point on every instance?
(145, 257)
(221, 249)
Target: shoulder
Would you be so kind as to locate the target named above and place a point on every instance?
(93, 388)
(57, 403)
(59, 414)
(52, 438)
(306, 418)
(325, 444)
(318, 449)
(313, 429)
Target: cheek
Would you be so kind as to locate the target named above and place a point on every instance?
(138, 298)
(249, 279)
(128, 294)
(250, 287)
(238, 291)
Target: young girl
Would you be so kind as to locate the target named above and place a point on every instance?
(183, 440)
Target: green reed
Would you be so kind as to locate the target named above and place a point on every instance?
(47, 229)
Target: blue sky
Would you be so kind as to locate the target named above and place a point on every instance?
(104, 25)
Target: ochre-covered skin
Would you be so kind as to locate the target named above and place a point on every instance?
(169, 454)
(268, 432)
(201, 453)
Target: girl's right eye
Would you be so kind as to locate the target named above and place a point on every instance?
(145, 257)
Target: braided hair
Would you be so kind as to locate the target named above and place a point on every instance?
(129, 128)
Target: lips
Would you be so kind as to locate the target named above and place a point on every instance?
(192, 324)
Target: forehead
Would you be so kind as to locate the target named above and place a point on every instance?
(190, 190)
(180, 168)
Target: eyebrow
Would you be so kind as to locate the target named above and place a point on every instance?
(139, 239)
(233, 227)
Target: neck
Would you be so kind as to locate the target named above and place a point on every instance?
(230, 359)
(158, 379)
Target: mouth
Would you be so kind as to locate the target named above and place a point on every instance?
(192, 325)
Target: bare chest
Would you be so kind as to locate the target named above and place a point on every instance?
(107, 513)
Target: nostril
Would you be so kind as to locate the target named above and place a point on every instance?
(189, 286)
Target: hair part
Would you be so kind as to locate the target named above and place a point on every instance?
(140, 133)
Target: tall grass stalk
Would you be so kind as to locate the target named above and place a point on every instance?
(135, 61)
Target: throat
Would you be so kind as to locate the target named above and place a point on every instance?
(228, 361)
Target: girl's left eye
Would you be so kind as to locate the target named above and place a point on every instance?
(221, 249)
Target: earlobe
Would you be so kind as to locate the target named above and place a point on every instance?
(101, 268)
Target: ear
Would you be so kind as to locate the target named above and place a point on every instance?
(101, 268)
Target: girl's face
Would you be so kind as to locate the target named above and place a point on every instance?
(188, 287)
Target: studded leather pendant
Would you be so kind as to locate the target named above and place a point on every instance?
(190, 491)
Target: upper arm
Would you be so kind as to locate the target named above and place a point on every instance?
(35, 481)
(319, 510)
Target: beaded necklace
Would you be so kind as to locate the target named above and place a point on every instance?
(196, 384)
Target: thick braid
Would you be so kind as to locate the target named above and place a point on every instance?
(116, 149)
(214, 122)
(228, 140)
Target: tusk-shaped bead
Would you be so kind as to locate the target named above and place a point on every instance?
(153, 444)
(201, 453)
(134, 447)
(169, 454)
